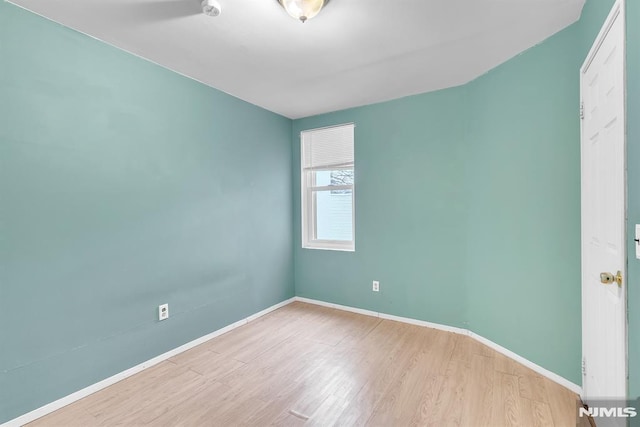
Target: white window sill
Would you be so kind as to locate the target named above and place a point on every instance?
(330, 246)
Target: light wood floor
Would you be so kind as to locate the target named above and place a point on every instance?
(311, 365)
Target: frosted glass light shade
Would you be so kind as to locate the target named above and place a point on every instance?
(303, 9)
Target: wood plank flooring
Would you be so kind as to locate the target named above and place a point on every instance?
(308, 365)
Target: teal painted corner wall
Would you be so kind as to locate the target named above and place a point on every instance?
(468, 205)
(409, 207)
(124, 186)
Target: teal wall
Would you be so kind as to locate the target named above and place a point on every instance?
(123, 186)
(410, 206)
(468, 205)
(523, 186)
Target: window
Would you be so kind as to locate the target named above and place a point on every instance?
(328, 188)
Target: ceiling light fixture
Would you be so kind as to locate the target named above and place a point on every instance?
(303, 9)
(211, 7)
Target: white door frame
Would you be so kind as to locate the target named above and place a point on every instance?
(617, 11)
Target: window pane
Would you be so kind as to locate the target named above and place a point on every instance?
(334, 218)
(342, 177)
(334, 177)
(322, 178)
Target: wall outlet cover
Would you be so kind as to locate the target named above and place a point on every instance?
(163, 312)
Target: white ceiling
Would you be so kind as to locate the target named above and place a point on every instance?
(355, 52)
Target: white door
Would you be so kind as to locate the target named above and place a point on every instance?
(602, 88)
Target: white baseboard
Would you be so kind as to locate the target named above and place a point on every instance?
(338, 306)
(529, 364)
(73, 397)
(385, 316)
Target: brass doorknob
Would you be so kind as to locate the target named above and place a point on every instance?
(607, 278)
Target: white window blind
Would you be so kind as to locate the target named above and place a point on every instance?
(328, 148)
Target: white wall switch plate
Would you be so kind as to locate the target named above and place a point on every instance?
(163, 312)
(376, 286)
(637, 239)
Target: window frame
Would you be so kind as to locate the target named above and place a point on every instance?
(308, 202)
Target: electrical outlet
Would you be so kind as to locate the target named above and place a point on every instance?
(163, 312)
(376, 286)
